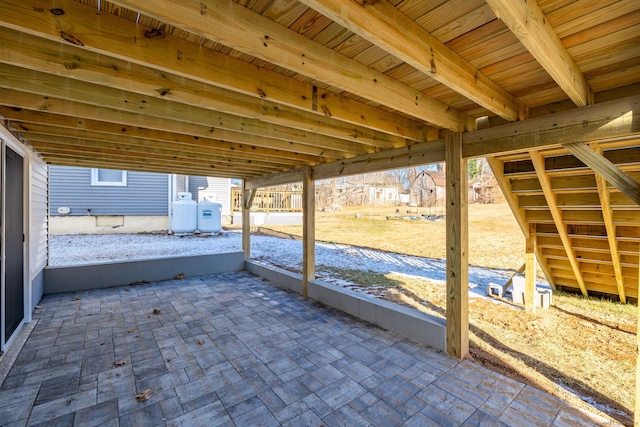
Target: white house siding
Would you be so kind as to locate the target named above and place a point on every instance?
(214, 189)
(182, 183)
(38, 226)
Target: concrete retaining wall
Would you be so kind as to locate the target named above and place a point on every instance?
(409, 323)
(270, 218)
(107, 224)
(104, 275)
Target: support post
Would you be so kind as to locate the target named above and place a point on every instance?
(247, 201)
(308, 230)
(530, 271)
(636, 417)
(457, 252)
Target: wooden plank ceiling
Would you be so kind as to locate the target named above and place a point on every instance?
(251, 88)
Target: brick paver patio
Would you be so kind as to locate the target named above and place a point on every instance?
(233, 349)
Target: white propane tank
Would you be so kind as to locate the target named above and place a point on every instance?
(209, 217)
(184, 214)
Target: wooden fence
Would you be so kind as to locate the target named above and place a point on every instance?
(270, 201)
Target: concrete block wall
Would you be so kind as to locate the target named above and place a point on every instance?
(108, 274)
(409, 323)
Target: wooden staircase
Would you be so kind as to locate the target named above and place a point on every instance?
(585, 232)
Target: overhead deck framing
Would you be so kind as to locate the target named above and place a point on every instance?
(280, 91)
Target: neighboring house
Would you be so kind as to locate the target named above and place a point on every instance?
(356, 194)
(212, 189)
(429, 189)
(485, 191)
(383, 196)
(83, 200)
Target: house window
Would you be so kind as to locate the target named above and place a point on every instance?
(109, 177)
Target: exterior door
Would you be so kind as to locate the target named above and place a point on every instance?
(13, 298)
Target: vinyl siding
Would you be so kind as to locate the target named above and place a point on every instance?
(38, 232)
(39, 218)
(215, 189)
(144, 194)
(181, 183)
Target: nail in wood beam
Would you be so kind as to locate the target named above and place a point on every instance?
(308, 230)
(457, 253)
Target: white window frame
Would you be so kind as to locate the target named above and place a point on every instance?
(96, 181)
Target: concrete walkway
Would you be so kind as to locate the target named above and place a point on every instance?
(235, 350)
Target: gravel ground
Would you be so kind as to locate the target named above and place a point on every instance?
(83, 249)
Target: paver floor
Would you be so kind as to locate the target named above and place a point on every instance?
(235, 350)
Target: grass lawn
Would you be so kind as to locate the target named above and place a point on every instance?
(586, 345)
(495, 240)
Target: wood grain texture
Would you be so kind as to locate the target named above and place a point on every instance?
(551, 199)
(134, 122)
(308, 230)
(606, 169)
(238, 27)
(529, 24)
(114, 37)
(607, 218)
(497, 167)
(457, 314)
(636, 416)
(385, 26)
(247, 201)
(530, 271)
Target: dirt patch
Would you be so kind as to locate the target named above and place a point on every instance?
(554, 350)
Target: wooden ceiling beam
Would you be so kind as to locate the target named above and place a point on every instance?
(422, 153)
(116, 37)
(60, 87)
(606, 169)
(286, 177)
(81, 139)
(599, 122)
(545, 183)
(607, 216)
(129, 122)
(33, 53)
(24, 121)
(102, 162)
(110, 161)
(238, 27)
(528, 23)
(607, 120)
(385, 26)
(75, 146)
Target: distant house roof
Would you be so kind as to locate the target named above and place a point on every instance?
(439, 177)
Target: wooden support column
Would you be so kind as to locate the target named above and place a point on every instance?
(308, 230)
(636, 417)
(247, 201)
(457, 252)
(530, 271)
